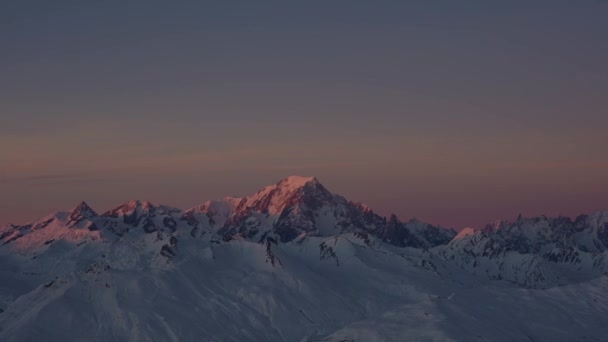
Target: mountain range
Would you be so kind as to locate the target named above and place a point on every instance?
(296, 262)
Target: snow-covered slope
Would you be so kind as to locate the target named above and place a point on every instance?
(299, 206)
(534, 252)
(295, 262)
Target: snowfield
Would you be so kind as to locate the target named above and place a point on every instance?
(295, 262)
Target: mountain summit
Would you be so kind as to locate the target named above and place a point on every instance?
(82, 212)
(296, 207)
(286, 193)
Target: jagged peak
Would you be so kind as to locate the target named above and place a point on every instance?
(233, 201)
(465, 232)
(414, 220)
(130, 207)
(288, 185)
(393, 218)
(139, 203)
(272, 199)
(300, 184)
(297, 181)
(84, 207)
(226, 205)
(362, 206)
(275, 198)
(82, 210)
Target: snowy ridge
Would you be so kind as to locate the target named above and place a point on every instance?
(297, 206)
(295, 262)
(535, 252)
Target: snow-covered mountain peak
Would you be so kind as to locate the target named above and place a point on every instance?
(82, 211)
(292, 184)
(295, 182)
(140, 214)
(465, 232)
(301, 206)
(287, 193)
(130, 207)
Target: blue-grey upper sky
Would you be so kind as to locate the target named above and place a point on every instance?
(458, 113)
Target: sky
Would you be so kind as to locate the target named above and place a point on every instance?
(456, 113)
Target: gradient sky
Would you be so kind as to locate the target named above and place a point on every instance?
(455, 112)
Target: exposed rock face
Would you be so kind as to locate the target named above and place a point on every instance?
(82, 212)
